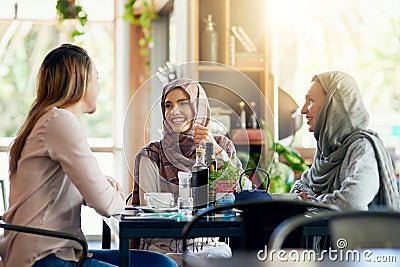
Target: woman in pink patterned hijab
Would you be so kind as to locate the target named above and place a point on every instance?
(186, 116)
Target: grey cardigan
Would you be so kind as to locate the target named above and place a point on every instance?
(358, 179)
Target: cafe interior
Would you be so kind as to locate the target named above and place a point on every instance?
(254, 58)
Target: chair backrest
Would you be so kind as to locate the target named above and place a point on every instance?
(44, 232)
(259, 219)
(128, 198)
(3, 196)
(348, 230)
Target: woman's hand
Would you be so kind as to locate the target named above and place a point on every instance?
(305, 196)
(203, 135)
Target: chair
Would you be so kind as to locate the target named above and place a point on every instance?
(348, 230)
(259, 219)
(44, 232)
(3, 195)
(128, 198)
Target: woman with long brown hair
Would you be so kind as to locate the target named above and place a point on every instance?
(53, 171)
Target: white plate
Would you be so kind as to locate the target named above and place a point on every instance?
(155, 210)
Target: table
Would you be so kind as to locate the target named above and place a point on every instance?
(165, 228)
(233, 227)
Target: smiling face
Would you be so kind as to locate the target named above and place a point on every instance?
(315, 97)
(178, 113)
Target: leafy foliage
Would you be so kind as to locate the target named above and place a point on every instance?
(281, 171)
(227, 172)
(147, 15)
(68, 9)
(293, 157)
(280, 182)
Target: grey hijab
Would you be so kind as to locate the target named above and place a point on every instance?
(342, 120)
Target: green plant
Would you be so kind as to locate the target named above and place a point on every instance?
(251, 157)
(227, 172)
(282, 172)
(293, 158)
(146, 17)
(70, 10)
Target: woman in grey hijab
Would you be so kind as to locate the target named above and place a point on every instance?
(351, 168)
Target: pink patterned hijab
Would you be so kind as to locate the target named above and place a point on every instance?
(176, 151)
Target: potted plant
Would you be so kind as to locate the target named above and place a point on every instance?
(285, 163)
(146, 16)
(71, 10)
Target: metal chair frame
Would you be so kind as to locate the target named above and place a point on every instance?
(50, 233)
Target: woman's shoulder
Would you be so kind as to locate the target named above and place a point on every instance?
(56, 114)
(154, 145)
(61, 122)
(151, 150)
(364, 140)
(360, 147)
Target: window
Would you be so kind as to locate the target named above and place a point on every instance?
(358, 37)
(27, 32)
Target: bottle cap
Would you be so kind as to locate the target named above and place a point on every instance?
(200, 151)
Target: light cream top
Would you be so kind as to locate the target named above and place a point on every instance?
(56, 174)
(150, 176)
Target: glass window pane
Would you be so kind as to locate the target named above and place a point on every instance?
(99, 10)
(38, 9)
(7, 10)
(358, 37)
(92, 221)
(25, 45)
(106, 162)
(46, 9)
(4, 167)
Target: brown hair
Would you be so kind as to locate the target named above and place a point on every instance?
(62, 81)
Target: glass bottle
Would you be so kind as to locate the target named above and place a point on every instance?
(212, 167)
(185, 199)
(184, 184)
(209, 42)
(252, 118)
(242, 114)
(199, 181)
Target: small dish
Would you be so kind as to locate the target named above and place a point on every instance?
(155, 210)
